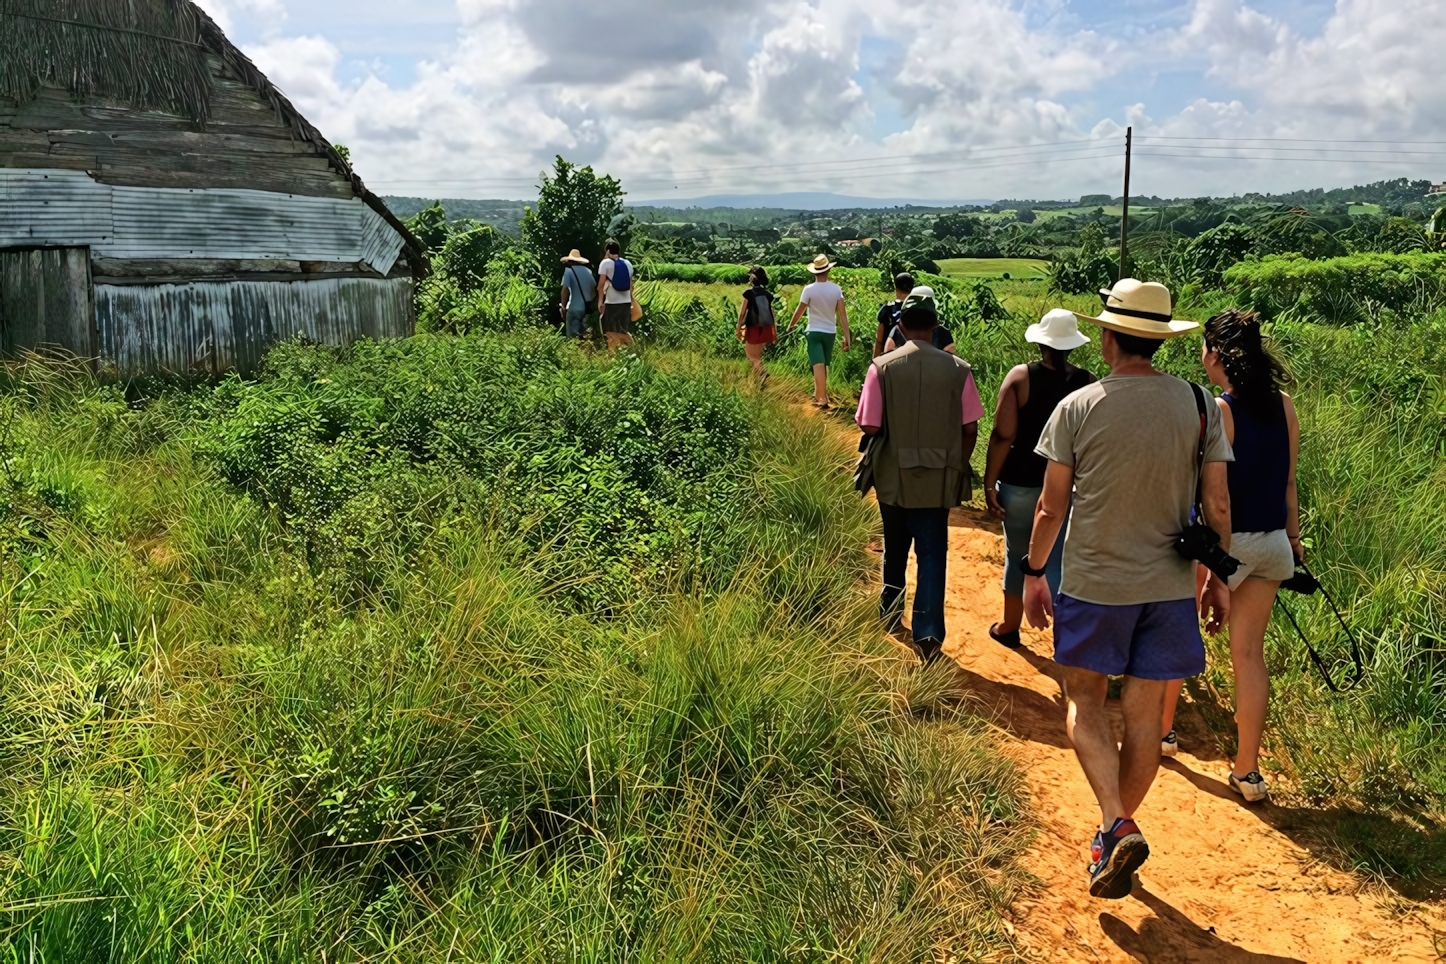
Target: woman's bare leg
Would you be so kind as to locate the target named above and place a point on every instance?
(1250, 607)
(1013, 614)
(820, 383)
(755, 358)
(1172, 697)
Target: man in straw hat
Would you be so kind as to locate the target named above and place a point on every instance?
(1014, 473)
(1129, 448)
(824, 302)
(926, 403)
(579, 288)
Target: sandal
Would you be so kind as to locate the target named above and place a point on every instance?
(1010, 640)
(821, 406)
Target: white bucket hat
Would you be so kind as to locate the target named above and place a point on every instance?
(1059, 330)
(1140, 308)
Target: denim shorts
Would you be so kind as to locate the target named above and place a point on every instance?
(820, 347)
(1019, 505)
(1159, 640)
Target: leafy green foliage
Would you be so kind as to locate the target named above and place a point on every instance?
(430, 227)
(576, 208)
(466, 254)
(1341, 290)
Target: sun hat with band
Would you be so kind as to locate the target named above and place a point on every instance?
(1140, 308)
(1058, 330)
(821, 265)
(575, 257)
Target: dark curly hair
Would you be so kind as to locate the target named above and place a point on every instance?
(1256, 373)
(757, 275)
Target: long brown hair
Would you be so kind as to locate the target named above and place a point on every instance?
(1256, 373)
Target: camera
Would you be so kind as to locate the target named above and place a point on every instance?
(1201, 544)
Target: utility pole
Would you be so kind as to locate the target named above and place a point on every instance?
(1125, 221)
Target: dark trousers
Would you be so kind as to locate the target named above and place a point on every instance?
(927, 531)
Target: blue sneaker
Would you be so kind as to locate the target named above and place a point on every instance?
(1115, 858)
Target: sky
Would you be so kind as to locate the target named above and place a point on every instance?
(927, 99)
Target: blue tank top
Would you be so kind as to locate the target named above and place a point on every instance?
(1260, 471)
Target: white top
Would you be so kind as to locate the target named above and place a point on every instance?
(615, 297)
(823, 299)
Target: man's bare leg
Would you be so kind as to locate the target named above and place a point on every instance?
(820, 383)
(1141, 703)
(1089, 731)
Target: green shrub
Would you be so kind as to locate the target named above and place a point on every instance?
(1341, 290)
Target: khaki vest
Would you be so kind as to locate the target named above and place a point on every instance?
(922, 463)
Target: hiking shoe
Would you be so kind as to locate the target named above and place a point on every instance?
(1010, 640)
(1169, 745)
(1251, 786)
(1115, 858)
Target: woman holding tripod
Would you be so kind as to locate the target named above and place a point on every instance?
(1261, 426)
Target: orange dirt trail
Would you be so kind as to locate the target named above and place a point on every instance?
(1225, 882)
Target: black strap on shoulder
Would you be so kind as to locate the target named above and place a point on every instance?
(1200, 451)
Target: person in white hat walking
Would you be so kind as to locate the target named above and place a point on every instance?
(579, 288)
(827, 315)
(1014, 473)
(1137, 449)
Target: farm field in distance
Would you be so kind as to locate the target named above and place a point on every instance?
(1022, 268)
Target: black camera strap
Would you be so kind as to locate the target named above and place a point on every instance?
(1309, 586)
(1199, 394)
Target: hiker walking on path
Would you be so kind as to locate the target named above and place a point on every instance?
(756, 326)
(1262, 428)
(579, 288)
(1135, 448)
(824, 302)
(925, 405)
(889, 313)
(1014, 474)
(615, 297)
(942, 339)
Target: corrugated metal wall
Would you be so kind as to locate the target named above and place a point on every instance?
(69, 208)
(208, 328)
(45, 301)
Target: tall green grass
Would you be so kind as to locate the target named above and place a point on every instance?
(439, 651)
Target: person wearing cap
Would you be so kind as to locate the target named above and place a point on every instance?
(925, 403)
(943, 338)
(579, 288)
(1014, 474)
(1129, 448)
(827, 314)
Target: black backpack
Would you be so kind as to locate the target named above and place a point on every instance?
(761, 308)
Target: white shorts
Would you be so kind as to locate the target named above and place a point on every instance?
(1262, 555)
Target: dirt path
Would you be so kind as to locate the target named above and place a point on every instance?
(1225, 882)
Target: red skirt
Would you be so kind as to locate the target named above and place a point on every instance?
(760, 335)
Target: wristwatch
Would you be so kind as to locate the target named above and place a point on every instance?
(1024, 567)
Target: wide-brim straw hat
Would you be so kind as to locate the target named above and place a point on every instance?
(821, 265)
(1058, 330)
(1140, 308)
(575, 258)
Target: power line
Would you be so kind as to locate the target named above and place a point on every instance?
(1306, 150)
(1309, 160)
(1289, 140)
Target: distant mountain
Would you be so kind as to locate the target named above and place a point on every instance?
(503, 215)
(800, 201)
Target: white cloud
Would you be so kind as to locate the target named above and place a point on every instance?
(774, 94)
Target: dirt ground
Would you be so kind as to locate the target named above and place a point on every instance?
(1225, 882)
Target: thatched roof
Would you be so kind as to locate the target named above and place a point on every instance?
(149, 55)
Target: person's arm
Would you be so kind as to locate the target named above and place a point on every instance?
(1049, 516)
(1215, 498)
(604, 282)
(743, 317)
(971, 441)
(1292, 492)
(951, 349)
(870, 416)
(566, 298)
(879, 333)
(1001, 440)
(843, 321)
(798, 312)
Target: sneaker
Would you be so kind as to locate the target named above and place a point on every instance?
(1251, 786)
(1115, 858)
(1169, 745)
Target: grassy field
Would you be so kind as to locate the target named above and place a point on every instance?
(467, 648)
(1022, 268)
(1373, 484)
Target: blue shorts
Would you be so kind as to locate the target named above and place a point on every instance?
(1149, 641)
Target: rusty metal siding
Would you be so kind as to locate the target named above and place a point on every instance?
(208, 328)
(70, 208)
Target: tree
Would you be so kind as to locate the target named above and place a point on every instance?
(575, 209)
(430, 227)
(466, 253)
(1025, 216)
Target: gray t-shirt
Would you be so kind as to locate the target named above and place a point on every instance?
(1132, 442)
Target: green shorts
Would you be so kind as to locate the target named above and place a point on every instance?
(820, 347)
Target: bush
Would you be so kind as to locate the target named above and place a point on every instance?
(1340, 290)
